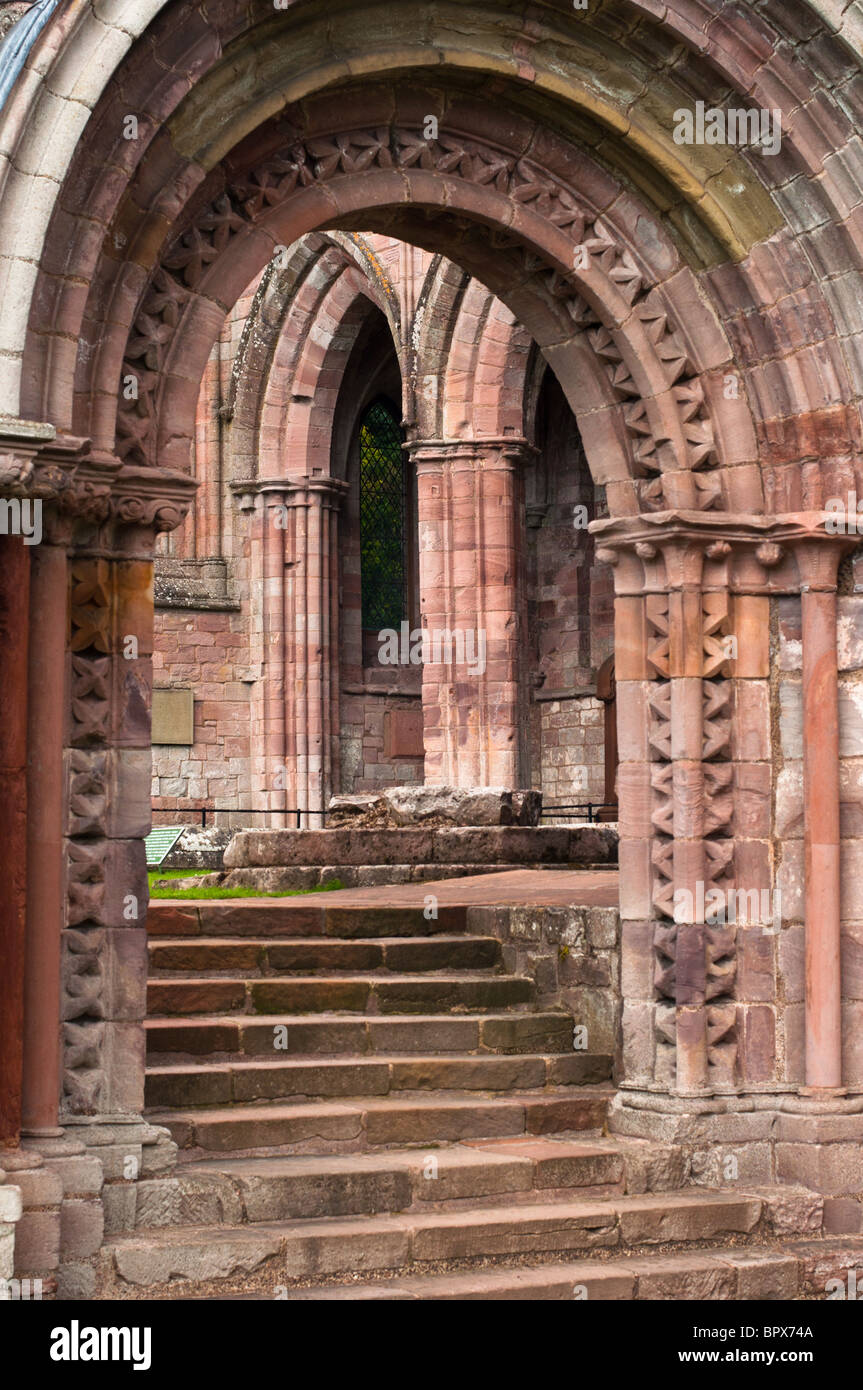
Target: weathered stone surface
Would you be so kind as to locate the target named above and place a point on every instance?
(419, 805)
(284, 859)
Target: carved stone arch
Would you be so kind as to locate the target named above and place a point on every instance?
(275, 339)
(664, 424)
(434, 323)
(452, 360)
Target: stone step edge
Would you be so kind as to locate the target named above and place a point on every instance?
(305, 1061)
(452, 1099)
(329, 1016)
(381, 1075)
(748, 1273)
(359, 877)
(413, 977)
(427, 1118)
(192, 919)
(439, 939)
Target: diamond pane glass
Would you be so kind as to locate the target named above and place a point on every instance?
(382, 519)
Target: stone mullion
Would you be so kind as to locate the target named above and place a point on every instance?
(325, 584)
(45, 859)
(333, 648)
(501, 508)
(315, 713)
(296, 688)
(471, 536)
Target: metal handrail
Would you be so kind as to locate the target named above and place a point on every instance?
(559, 811)
(563, 810)
(236, 811)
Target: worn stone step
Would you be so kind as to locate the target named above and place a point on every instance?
(419, 1119)
(241, 1082)
(401, 955)
(333, 1034)
(240, 1191)
(754, 1273)
(336, 1246)
(348, 994)
(296, 917)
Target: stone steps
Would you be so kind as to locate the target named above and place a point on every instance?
(360, 1123)
(752, 1273)
(368, 1105)
(341, 994)
(281, 1252)
(185, 1084)
(297, 917)
(410, 955)
(249, 1190)
(333, 1034)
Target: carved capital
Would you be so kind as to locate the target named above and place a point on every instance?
(744, 554)
(291, 492)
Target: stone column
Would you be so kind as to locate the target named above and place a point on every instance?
(46, 794)
(471, 524)
(14, 643)
(302, 581)
(711, 1018)
(818, 600)
(676, 846)
(88, 794)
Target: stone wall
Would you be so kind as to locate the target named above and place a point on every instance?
(570, 612)
(573, 954)
(378, 732)
(573, 750)
(209, 653)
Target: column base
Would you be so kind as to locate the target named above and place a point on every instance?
(779, 1137)
(79, 1184)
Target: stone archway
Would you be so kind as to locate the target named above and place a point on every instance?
(718, 451)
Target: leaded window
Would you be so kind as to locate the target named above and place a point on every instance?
(382, 518)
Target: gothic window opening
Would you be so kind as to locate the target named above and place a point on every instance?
(383, 519)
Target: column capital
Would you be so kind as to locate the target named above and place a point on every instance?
(79, 484)
(290, 491)
(500, 451)
(782, 554)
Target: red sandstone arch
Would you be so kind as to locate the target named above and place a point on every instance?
(651, 373)
(474, 359)
(125, 247)
(780, 84)
(273, 362)
(664, 407)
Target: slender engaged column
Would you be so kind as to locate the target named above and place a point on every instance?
(14, 641)
(45, 907)
(821, 817)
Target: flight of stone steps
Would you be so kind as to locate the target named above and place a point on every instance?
(367, 1106)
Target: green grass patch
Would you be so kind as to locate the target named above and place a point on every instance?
(214, 892)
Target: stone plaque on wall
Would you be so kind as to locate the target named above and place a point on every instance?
(403, 733)
(173, 717)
